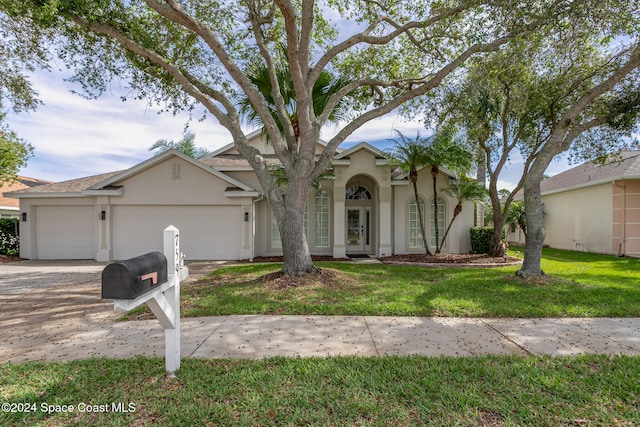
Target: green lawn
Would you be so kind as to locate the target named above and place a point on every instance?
(346, 391)
(350, 391)
(579, 285)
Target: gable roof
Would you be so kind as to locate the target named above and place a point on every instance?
(121, 176)
(107, 182)
(251, 136)
(627, 166)
(362, 146)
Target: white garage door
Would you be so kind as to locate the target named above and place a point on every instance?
(206, 232)
(65, 232)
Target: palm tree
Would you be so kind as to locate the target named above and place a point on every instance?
(442, 151)
(462, 189)
(186, 146)
(325, 86)
(409, 155)
(518, 216)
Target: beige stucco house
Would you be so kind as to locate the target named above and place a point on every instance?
(216, 204)
(593, 208)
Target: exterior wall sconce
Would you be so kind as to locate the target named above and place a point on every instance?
(246, 216)
(24, 217)
(102, 216)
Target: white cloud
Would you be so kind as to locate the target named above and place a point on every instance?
(75, 137)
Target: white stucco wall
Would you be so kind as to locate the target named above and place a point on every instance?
(580, 219)
(458, 239)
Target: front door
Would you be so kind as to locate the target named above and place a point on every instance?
(358, 229)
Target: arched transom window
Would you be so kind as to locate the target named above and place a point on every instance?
(358, 192)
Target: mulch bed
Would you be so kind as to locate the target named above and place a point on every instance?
(475, 259)
(7, 258)
(327, 278)
(462, 259)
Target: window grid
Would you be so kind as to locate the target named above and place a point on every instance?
(275, 233)
(415, 234)
(321, 219)
(432, 222)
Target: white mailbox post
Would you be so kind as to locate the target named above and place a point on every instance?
(164, 301)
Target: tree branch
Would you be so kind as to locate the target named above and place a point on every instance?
(366, 37)
(172, 10)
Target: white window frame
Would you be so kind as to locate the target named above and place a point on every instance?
(321, 220)
(415, 239)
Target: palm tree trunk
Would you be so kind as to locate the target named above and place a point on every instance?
(456, 212)
(434, 174)
(420, 217)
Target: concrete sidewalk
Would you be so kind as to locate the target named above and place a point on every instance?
(255, 337)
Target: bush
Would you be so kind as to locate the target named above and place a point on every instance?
(480, 239)
(9, 237)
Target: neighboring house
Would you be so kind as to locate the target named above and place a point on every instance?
(9, 207)
(594, 208)
(217, 205)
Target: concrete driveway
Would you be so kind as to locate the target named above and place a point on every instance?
(44, 303)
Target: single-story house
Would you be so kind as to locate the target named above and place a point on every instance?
(593, 208)
(10, 207)
(217, 205)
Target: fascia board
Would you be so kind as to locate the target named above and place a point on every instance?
(112, 192)
(44, 195)
(242, 194)
(591, 184)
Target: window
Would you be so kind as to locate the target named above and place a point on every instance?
(358, 192)
(321, 219)
(432, 222)
(415, 234)
(275, 233)
(175, 170)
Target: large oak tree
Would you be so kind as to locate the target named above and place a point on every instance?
(577, 89)
(183, 53)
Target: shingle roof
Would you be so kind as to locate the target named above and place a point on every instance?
(71, 186)
(225, 161)
(22, 183)
(627, 166)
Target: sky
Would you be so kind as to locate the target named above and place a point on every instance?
(74, 137)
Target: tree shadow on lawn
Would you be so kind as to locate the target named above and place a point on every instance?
(475, 294)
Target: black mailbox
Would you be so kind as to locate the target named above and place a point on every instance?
(132, 277)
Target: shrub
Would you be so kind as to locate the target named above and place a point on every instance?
(9, 237)
(481, 239)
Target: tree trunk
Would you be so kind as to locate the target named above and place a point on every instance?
(288, 210)
(481, 177)
(497, 248)
(434, 174)
(420, 216)
(534, 212)
(456, 212)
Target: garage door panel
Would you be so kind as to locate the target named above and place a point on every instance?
(65, 232)
(205, 232)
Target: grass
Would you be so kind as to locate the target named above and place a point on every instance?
(579, 285)
(593, 390)
(402, 391)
